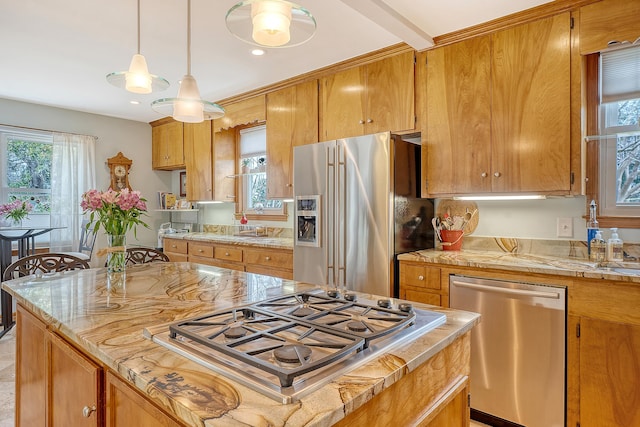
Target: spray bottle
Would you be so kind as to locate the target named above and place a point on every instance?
(592, 225)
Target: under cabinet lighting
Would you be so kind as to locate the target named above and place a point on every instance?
(503, 197)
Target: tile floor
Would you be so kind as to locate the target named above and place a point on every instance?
(7, 378)
(7, 381)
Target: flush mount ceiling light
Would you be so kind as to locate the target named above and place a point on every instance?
(188, 107)
(270, 23)
(137, 79)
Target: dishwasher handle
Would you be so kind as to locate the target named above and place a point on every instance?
(510, 291)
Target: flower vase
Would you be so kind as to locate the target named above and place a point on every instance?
(116, 253)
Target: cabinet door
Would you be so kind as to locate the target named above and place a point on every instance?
(343, 104)
(74, 387)
(530, 123)
(390, 100)
(125, 407)
(167, 145)
(609, 373)
(198, 160)
(292, 120)
(224, 165)
(31, 365)
(458, 108)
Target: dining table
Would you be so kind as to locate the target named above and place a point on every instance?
(25, 238)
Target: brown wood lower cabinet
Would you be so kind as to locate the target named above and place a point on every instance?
(259, 260)
(57, 385)
(126, 407)
(422, 283)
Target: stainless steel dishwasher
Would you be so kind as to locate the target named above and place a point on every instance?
(518, 355)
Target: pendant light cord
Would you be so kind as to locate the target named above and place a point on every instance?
(188, 37)
(138, 27)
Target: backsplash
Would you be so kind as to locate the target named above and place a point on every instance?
(256, 230)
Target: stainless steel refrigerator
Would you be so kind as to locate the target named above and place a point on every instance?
(357, 206)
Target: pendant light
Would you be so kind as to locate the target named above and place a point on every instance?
(270, 23)
(188, 107)
(137, 79)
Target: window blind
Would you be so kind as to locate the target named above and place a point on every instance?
(620, 69)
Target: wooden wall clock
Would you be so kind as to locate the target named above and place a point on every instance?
(119, 167)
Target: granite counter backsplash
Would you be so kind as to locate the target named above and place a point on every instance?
(231, 230)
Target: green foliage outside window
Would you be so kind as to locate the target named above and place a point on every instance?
(29, 173)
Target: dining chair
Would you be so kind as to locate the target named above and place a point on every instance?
(145, 255)
(87, 241)
(43, 263)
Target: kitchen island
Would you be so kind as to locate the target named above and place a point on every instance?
(89, 322)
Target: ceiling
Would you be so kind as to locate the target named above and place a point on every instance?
(58, 53)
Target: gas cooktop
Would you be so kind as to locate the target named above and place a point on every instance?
(290, 345)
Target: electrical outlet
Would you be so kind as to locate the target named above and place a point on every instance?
(565, 227)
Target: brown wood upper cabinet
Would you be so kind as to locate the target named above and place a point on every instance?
(198, 163)
(292, 120)
(246, 111)
(498, 112)
(167, 144)
(608, 20)
(370, 98)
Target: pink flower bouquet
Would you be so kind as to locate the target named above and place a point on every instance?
(16, 210)
(117, 212)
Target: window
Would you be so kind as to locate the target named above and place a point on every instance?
(26, 159)
(618, 141)
(253, 162)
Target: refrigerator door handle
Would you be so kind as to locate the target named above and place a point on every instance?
(341, 217)
(329, 250)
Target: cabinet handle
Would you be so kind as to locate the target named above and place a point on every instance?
(230, 196)
(361, 122)
(421, 277)
(497, 174)
(88, 410)
(369, 120)
(267, 258)
(483, 174)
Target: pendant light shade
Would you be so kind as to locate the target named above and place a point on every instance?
(138, 79)
(270, 23)
(188, 107)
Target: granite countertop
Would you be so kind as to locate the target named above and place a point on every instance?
(105, 316)
(254, 241)
(529, 263)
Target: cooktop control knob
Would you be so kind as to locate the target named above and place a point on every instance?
(384, 303)
(405, 307)
(350, 296)
(333, 293)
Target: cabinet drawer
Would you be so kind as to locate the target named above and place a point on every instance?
(201, 250)
(228, 254)
(273, 272)
(177, 246)
(420, 276)
(282, 260)
(423, 297)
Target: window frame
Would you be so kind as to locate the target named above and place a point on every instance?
(591, 64)
(267, 215)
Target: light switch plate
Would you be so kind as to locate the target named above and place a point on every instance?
(565, 227)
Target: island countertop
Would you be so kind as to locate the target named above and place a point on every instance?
(104, 316)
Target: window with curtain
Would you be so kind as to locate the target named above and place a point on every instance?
(51, 171)
(619, 131)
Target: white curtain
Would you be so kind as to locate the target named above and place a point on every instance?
(72, 173)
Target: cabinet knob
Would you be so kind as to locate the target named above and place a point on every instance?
(369, 120)
(421, 277)
(200, 250)
(88, 410)
(497, 174)
(483, 174)
(173, 246)
(361, 122)
(226, 254)
(267, 258)
(289, 185)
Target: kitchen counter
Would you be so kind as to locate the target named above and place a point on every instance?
(529, 263)
(104, 317)
(253, 241)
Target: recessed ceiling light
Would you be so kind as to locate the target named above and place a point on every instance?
(134, 102)
(258, 52)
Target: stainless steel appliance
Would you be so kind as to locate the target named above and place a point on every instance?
(517, 351)
(357, 205)
(288, 346)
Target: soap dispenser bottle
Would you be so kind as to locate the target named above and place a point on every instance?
(598, 248)
(614, 247)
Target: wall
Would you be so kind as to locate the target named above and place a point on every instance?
(132, 138)
(537, 219)
(223, 214)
